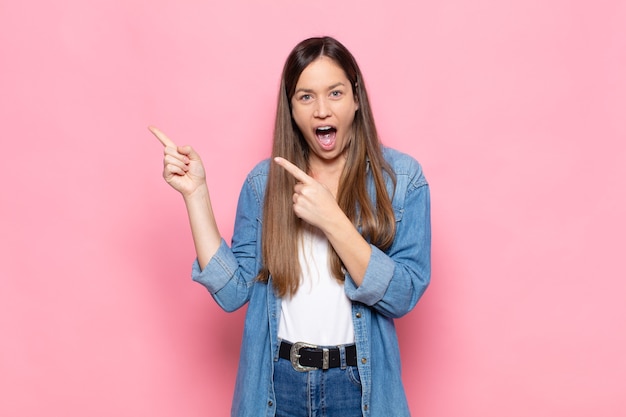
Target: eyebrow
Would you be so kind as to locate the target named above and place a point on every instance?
(308, 90)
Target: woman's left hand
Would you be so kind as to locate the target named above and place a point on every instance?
(312, 201)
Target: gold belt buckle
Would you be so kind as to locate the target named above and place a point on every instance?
(294, 356)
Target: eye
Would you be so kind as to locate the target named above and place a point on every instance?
(336, 93)
(305, 97)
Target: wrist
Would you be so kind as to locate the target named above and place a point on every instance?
(201, 193)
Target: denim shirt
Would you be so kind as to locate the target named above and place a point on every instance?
(394, 281)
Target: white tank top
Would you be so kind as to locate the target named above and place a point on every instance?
(319, 313)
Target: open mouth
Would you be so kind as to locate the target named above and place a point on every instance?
(326, 135)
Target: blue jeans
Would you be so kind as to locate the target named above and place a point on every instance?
(334, 392)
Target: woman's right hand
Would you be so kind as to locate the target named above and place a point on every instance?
(182, 166)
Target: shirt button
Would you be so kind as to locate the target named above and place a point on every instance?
(365, 407)
(363, 360)
(270, 403)
(358, 315)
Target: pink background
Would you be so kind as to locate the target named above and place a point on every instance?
(514, 108)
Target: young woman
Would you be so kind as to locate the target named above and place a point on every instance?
(331, 243)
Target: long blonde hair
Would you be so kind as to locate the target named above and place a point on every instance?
(373, 215)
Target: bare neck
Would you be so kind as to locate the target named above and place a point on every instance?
(328, 172)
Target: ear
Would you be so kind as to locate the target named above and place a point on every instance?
(356, 94)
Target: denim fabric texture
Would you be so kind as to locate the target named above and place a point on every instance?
(394, 282)
(334, 392)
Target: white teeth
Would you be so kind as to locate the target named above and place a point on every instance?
(324, 128)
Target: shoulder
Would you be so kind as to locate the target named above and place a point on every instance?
(256, 180)
(404, 164)
(260, 169)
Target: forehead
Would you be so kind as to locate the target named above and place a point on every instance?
(322, 72)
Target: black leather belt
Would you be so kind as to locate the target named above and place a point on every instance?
(305, 357)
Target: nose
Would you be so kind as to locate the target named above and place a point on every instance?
(322, 110)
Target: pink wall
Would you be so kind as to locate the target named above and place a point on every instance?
(515, 109)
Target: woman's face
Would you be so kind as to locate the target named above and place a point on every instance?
(323, 107)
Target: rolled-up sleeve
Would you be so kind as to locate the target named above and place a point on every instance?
(231, 272)
(396, 279)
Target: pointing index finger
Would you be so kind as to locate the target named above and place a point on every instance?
(161, 137)
(297, 173)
